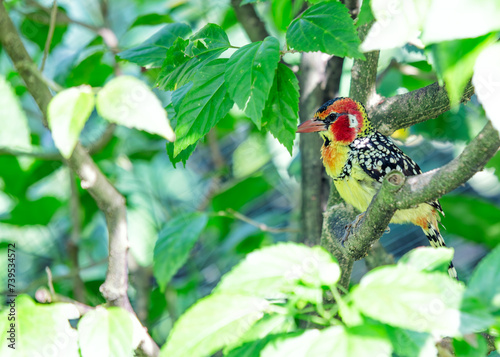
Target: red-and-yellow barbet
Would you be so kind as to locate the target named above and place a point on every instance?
(358, 158)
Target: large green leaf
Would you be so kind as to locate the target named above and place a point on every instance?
(428, 259)
(174, 243)
(325, 27)
(186, 57)
(106, 332)
(128, 101)
(472, 218)
(486, 81)
(484, 285)
(411, 299)
(397, 23)
(15, 133)
(249, 76)
(282, 268)
(282, 107)
(333, 341)
(67, 114)
(212, 323)
(454, 62)
(153, 51)
(445, 19)
(39, 329)
(203, 106)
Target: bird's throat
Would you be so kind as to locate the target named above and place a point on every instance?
(334, 157)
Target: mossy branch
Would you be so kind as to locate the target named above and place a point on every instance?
(418, 189)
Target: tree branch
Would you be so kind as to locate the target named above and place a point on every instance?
(404, 110)
(108, 199)
(422, 188)
(248, 18)
(364, 73)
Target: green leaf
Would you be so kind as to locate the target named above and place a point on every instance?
(128, 101)
(472, 218)
(281, 268)
(408, 343)
(251, 348)
(203, 106)
(325, 27)
(267, 326)
(495, 164)
(486, 80)
(411, 299)
(357, 341)
(463, 348)
(365, 14)
(398, 22)
(154, 50)
(106, 332)
(249, 76)
(282, 13)
(454, 62)
(282, 107)
(185, 58)
(428, 259)
(67, 114)
(209, 39)
(183, 156)
(15, 133)
(488, 271)
(56, 338)
(212, 323)
(174, 243)
(445, 19)
(92, 70)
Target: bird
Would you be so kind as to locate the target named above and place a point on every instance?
(357, 157)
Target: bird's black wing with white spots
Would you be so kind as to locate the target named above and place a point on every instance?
(378, 155)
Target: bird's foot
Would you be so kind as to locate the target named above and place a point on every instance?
(351, 226)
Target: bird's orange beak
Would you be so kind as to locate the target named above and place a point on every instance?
(311, 126)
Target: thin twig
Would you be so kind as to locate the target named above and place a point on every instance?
(262, 226)
(52, 26)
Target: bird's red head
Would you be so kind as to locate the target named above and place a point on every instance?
(340, 120)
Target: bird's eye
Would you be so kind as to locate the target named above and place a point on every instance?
(331, 118)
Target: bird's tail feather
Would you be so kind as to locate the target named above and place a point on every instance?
(436, 240)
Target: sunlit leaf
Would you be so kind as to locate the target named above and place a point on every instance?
(365, 13)
(325, 27)
(212, 323)
(282, 107)
(454, 62)
(397, 23)
(130, 102)
(486, 80)
(56, 338)
(428, 259)
(445, 19)
(249, 76)
(411, 299)
(281, 268)
(153, 51)
(67, 113)
(106, 332)
(15, 132)
(174, 243)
